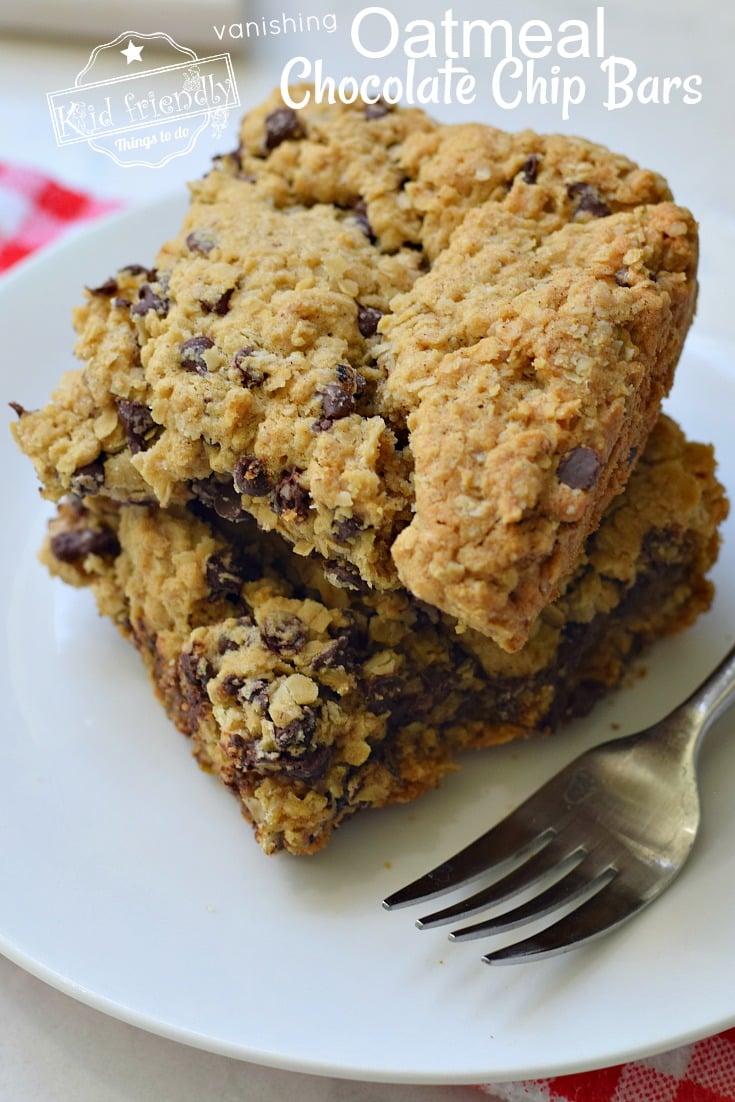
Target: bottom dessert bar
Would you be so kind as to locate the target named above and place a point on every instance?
(311, 702)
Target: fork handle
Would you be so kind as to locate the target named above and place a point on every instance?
(713, 697)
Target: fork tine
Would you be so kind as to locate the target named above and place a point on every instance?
(576, 887)
(550, 859)
(511, 838)
(597, 916)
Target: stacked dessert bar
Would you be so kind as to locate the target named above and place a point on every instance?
(369, 461)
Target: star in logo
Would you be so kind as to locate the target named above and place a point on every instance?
(131, 52)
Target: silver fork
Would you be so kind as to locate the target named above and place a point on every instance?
(602, 839)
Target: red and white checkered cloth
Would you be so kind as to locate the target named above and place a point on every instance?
(702, 1072)
(34, 211)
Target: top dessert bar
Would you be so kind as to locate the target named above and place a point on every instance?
(430, 353)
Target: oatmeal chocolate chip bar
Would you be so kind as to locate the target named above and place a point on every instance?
(311, 701)
(429, 353)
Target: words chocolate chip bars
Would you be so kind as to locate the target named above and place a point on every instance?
(370, 464)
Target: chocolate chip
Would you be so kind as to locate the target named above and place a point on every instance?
(308, 767)
(351, 379)
(251, 477)
(18, 408)
(297, 734)
(231, 684)
(138, 423)
(381, 693)
(529, 168)
(588, 199)
(221, 497)
(149, 300)
(340, 652)
(622, 277)
(251, 376)
(106, 289)
(77, 543)
(242, 354)
(248, 690)
(354, 629)
(191, 354)
(367, 320)
(508, 696)
(280, 125)
(199, 242)
(220, 306)
(664, 547)
(283, 635)
(336, 402)
(254, 691)
(196, 669)
(361, 217)
(137, 269)
(297, 756)
(579, 469)
(344, 576)
(121, 302)
(377, 110)
(88, 480)
(222, 580)
(290, 499)
(346, 530)
(239, 749)
(339, 399)
(235, 155)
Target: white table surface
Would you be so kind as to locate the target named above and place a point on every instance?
(51, 1047)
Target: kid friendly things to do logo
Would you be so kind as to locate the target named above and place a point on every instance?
(141, 116)
(420, 62)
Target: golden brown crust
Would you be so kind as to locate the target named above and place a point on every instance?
(400, 344)
(563, 361)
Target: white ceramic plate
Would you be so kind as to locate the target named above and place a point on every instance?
(129, 880)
